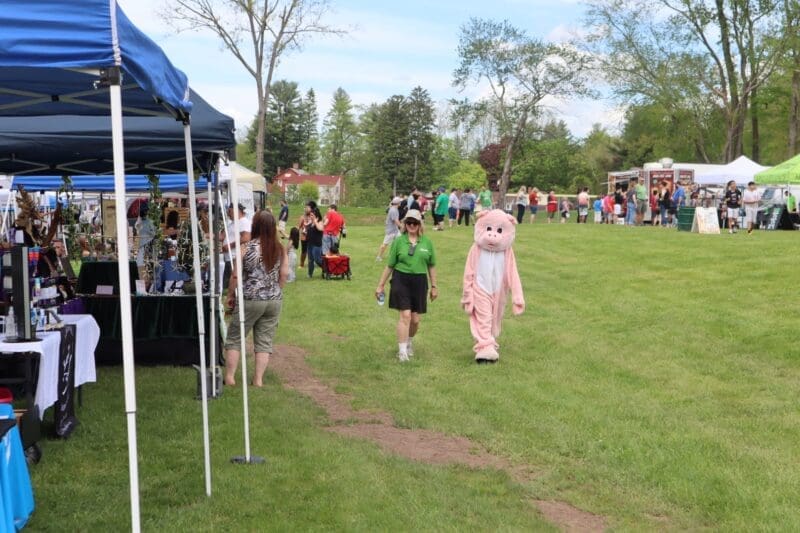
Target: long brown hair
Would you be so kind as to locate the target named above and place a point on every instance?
(265, 230)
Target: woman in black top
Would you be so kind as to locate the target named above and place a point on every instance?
(314, 238)
(664, 201)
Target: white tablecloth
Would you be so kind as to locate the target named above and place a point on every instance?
(87, 334)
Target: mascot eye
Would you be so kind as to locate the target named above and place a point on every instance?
(499, 230)
(489, 228)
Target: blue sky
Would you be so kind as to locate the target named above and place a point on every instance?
(391, 48)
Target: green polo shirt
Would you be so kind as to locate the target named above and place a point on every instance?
(418, 263)
(791, 203)
(485, 198)
(442, 201)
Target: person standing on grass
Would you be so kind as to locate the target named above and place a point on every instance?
(291, 253)
(265, 268)
(583, 205)
(565, 208)
(598, 210)
(314, 239)
(608, 208)
(552, 205)
(229, 239)
(283, 218)
(332, 228)
(733, 199)
(641, 201)
(391, 228)
(485, 198)
(302, 225)
(751, 199)
(664, 202)
(440, 209)
(452, 206)
(465, 205)
(520, 201)
(618, 201)
(655, 218)
(630, 203)
(411, 262)
(533, 203)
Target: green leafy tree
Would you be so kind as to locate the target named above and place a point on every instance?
(445, 158)
(520, 72)
(467, 175)
(691, 57)
(309, 190)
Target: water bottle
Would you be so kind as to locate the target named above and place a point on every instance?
(11, 324)
(381, 298)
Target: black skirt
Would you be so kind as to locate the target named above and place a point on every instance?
(409, 291)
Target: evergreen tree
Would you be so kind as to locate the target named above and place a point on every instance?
(389, 158)
(309, 135)
(284, 144)
(340, 136)
(421, 121)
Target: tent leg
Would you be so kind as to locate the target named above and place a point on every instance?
(198, 292)
(125, 300)
(212, 297)
(237, 263)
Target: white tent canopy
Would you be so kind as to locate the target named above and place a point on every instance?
(742, 170)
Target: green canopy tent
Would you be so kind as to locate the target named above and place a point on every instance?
(787, 172)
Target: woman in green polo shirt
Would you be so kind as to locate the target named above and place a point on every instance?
(411, 261)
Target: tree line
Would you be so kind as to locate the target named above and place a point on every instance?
(700, 80)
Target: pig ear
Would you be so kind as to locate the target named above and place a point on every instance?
(481, 213)
(511, 219)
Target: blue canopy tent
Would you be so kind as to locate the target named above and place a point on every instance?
(133, 182)
(60, 57)
(70, 144)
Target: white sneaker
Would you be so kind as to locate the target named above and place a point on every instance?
(403, 357)
(410, 350)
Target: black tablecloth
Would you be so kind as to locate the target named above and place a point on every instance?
(164, 329)
(94, 273)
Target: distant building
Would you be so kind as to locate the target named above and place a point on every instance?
(287, 183)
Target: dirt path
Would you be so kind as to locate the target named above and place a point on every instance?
(415, 444)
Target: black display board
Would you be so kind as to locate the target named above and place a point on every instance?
(776, 217)
(64, 415)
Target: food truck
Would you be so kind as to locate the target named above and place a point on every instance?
(651, 175)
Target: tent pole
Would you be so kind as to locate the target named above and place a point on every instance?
(212, 297)
(126, 321)
(237, 263)
(198, 293)
(5, 210)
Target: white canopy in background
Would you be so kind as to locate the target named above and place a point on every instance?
(742, 170)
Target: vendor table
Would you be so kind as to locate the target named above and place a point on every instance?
(94, 273)
(87, 335)
(164, 328)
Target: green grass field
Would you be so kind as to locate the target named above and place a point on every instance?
(652, 380)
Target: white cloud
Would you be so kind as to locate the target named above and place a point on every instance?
(385, 53)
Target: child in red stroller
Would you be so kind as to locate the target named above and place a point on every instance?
(335, 265)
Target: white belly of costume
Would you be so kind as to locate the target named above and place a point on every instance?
(491, 269)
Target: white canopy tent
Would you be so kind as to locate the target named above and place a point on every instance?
(741, 170)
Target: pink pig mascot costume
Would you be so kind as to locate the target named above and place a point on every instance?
(490, 273)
